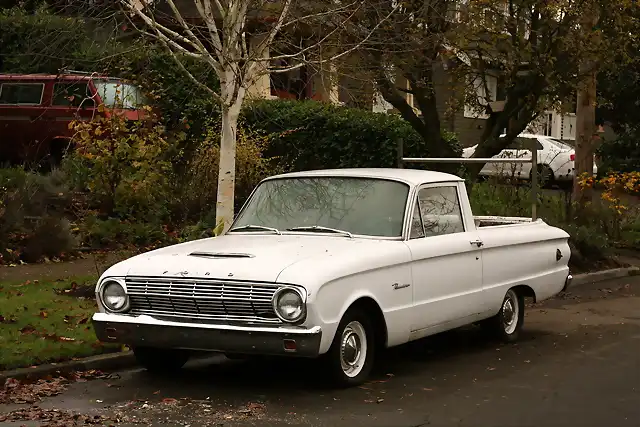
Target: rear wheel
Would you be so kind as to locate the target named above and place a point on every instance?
(160, 360)
(351, 356)
(545, 176)
(507, 324)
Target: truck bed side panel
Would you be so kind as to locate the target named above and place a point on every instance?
(523, 254)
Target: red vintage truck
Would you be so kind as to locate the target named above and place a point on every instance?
(36, 109)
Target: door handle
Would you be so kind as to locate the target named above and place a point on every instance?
(478, 242)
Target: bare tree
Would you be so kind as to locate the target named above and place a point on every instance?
(243, 41)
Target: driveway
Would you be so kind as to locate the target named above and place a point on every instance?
(577, 365)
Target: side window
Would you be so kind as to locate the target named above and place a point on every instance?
(539, 145)
(516, 144)
(21, 93)
(525, 144)
(69, 94)
(440, 210)
(417, 230)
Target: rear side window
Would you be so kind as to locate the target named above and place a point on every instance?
(524, 144)
(70, 94)
(440, 210)
(21, 93)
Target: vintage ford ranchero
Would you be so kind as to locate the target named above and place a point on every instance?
(334, 264)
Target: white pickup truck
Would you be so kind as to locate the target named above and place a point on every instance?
(333, 264)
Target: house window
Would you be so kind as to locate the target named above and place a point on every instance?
(289, 84)
(477, 110)
(21, 93)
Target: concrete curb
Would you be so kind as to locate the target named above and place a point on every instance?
(599, 276)
(102, 362)
(123, 360)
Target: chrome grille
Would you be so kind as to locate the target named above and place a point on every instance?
(202, 300)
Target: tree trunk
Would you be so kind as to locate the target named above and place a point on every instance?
(227, 166)
(585, 121)
(586, 126)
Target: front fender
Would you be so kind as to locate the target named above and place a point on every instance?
(333, 299)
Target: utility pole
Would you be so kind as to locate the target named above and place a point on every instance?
(585, 117)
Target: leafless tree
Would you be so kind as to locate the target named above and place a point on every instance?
(244, 41)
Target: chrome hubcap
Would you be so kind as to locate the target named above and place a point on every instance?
(510, 312)
(353, 349)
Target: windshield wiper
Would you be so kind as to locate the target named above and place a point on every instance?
(256, 227)
(320, 229)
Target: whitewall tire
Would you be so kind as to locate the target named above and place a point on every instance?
(350, 359)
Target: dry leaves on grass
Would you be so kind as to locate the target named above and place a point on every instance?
(31, 330)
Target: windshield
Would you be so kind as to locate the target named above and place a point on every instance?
(361, 206)
(116, 94)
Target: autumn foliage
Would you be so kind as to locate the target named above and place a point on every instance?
(620, 193)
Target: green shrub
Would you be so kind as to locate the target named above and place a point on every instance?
(620, 155)
(184, 105)
(114, 233)
(313, 135)
(195, 193)
(39, 42)
(124, 166)
(32, 216)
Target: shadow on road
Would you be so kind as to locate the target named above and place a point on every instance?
(291, 375)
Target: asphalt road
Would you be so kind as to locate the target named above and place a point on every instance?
(578, 365)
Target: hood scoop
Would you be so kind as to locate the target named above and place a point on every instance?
(221, 255)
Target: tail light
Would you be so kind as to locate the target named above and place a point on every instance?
(572, 157)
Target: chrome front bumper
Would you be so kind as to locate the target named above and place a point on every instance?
(149, 332)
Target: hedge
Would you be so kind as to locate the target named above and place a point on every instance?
(313, 135)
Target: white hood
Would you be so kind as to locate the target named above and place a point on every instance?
(262, 257)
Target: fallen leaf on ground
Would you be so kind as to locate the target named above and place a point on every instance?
(28, 329)
(9, 319)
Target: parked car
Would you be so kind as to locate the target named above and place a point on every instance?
(556, 160)
(336, 265)
(36, 110)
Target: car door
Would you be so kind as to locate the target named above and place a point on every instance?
(516, 150)
(446, 261)
(526, 144)
(20, 101)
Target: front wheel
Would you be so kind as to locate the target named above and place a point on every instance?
(507, 324)
(350, 358)
(161, 360)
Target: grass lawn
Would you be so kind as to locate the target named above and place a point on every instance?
(47, 321)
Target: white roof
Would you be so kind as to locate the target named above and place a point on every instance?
(410, 176)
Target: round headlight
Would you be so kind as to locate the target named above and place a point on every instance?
(114, 296)
(288, 305)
